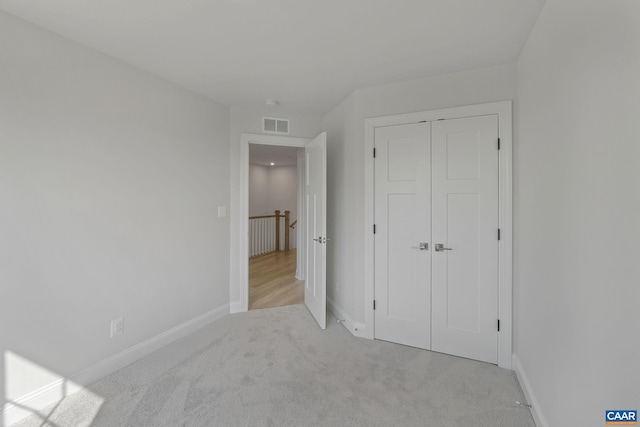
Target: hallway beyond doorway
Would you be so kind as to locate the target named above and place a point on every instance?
(272, 281)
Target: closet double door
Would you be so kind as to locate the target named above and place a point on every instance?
(436, 236)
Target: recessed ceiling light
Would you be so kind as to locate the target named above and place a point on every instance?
(271, 103)
(272, 164)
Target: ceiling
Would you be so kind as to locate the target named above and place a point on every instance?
(308, 54)
(264, 155)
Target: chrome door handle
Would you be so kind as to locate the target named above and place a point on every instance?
(440, 247)
(423, 246)
(321, 240)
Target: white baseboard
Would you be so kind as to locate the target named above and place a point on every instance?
(37, 400)
(52, 393)
(529, 394)
(236, 307)
(356, 328)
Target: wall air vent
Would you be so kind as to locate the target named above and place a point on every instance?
(271, 125)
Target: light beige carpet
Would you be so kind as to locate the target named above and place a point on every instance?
(275, 367)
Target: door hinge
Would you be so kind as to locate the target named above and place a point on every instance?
(374, 153)
(374, 229)
(498, 325)
(498, 234)
(374, 304)
(498, 143)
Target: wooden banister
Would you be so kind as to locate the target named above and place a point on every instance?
(287, 218)
(262, 216)
(277, 230)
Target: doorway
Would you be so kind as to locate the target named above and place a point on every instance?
(312, 239)
(440, 179)
(273, 226)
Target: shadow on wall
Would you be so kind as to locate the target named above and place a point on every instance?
(29, 389)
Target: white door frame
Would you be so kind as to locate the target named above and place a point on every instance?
(243, 213)
(505, 221)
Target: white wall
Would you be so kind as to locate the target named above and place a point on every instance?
(578, 210)
(345, 125)
(109, 183)
(283, 189)
(250, 121)
(258, 190)
(271, 188)
(283, 195)
(274, 188)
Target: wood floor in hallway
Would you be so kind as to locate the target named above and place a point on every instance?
(272, 281)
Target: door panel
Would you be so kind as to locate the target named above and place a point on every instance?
(402, 259)
(402, 218)
(315, 291)
(465, 220)
(462, 268)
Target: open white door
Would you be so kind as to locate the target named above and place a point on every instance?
(315, 285)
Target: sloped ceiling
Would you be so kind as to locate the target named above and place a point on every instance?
(308, 54)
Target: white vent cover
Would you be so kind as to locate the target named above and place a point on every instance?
(271, 125)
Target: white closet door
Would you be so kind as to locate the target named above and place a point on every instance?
(402, 218)
(465, 222)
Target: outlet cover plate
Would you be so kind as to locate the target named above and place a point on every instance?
(117, 326)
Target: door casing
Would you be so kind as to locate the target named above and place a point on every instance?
(505, 220)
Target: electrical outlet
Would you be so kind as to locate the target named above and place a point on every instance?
(117, 326)
(222, 211)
